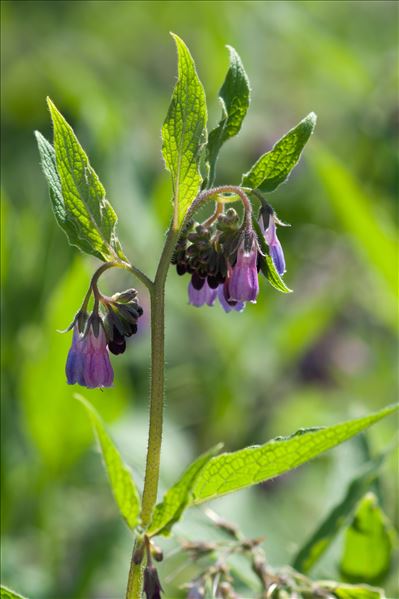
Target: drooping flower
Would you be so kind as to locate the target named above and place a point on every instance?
(276, 251)
(227, 304)
(152, 585)
(200, 297)
(243, 285)
(88, 361)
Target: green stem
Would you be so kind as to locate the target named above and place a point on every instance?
(157, 295)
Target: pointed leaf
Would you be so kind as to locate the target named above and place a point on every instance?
(6, 593)
(177, 497)
(267, 265)
(321, 539)
(92, 216)
(120, 477)
(49, 166)
(273, 168)
(233, 471)
(184, 133)
(234, 96)
(368, 543)
(348, 591)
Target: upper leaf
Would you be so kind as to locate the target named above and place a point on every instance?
(368, 543)
(234, 96)
(326, 532)
(177, 497)
(184, 133)
(81, 207)
(273, 168)
(348, 591)
(6, 593)
(122, 484)
(233, 471)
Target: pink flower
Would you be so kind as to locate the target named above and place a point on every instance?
(243, 285)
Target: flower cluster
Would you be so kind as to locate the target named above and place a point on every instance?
(95, 335)
(224, 258)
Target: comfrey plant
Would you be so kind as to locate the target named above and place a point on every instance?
(226, 259)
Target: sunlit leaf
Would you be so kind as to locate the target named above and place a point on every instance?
(120, 477)
(184, 133)
(77, 194)
(234, 471)
(321, 539)
(6, 593)
(273, 167)
(234, 96)
(348, 591)
(368, 543)
(177, 497)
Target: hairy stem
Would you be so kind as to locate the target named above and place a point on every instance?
(157, 294)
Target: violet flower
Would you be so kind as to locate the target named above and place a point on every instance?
(88, 361)
(227, 304)
(276, 251)
(199, 297)
(243, 285)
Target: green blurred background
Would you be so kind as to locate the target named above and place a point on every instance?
(324, 353)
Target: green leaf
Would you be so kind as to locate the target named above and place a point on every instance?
(184, 133)
(368, 543)
(77, 194)
(122, 484)
(234, 96)
(6, 593)
(348, 591)
(233, 471)
(49, 166)
(175, 500)
(267, 265)
(273, 168)
(321, 539)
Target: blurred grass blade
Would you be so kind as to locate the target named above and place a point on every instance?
(368, 543)
(234, 471)
(267, 265)
(122, 484)
(177, 497)
(184, 133)
(273, 167)
(349, 591)
(6, 593)
(87, 211)
(234, 96)
(321, 539)
(359, 214)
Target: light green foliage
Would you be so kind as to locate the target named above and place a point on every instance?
(371, 232)
(368, 543)
(6, 593)
(184, 133)
(348, 591)
(321, 539)
(268, 268)
(273, 167)
(233, 471)
(121, 480)
(77, 195)
(234, 96)
(175, 500)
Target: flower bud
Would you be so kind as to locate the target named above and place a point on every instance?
(152, 586)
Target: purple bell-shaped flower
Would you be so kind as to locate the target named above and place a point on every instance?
(243, 285)
(88, 362)
(276, 251)
(200, 297)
